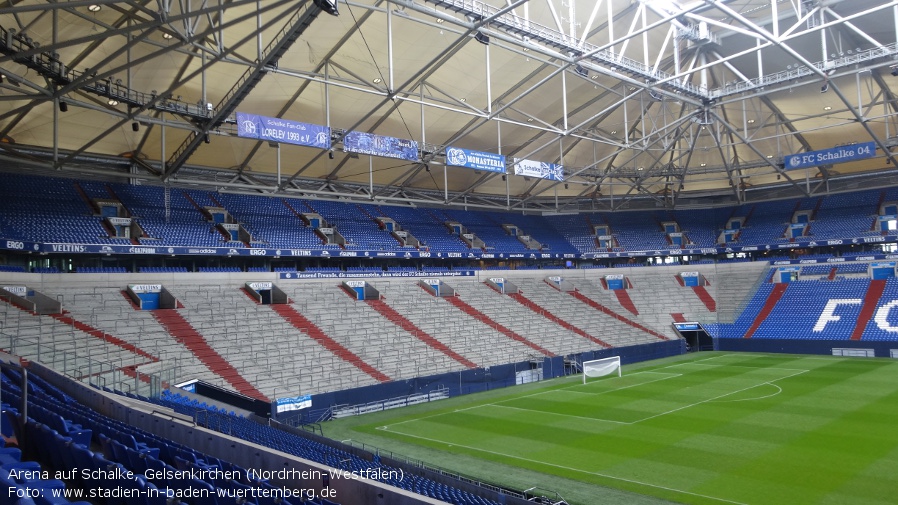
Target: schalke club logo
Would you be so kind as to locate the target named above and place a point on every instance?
(455, 156)
(249, 127)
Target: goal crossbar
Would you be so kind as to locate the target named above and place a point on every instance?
(601, 367)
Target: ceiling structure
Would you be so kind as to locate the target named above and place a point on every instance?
(646, 103)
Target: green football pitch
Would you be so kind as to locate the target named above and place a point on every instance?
(707, 428)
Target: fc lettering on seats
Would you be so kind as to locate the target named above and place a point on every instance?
(880, 318)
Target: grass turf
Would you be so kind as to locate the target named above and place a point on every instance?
(709, 428)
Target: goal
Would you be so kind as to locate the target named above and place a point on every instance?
(601, 367)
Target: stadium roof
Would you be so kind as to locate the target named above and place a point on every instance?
(651, 103)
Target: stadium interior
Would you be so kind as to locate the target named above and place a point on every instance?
(193, 282)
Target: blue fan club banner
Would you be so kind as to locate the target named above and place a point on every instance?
(379, 145)
(543, 170)
(840, 154)
(283, 130)
(478, 160)
(291, 404)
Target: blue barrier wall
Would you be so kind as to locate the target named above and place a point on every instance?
(788, 346)
(481, 379)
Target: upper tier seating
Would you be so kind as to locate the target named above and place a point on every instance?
(52, 210)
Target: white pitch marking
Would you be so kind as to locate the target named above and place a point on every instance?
(578, 470)
(557, 414)
(778, 391)
(746, 366)
(715, 398)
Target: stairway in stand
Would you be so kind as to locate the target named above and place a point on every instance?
(402, 322)
(765, 311)
(485, 319)
(303, 324)
(871, 299)
(526, 302)
(625, 301)
(706, 298)
(178, 327)
(601, 308)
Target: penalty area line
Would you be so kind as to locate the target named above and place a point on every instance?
(571, 469)
(727, 365)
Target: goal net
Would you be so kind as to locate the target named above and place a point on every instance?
(601, 367)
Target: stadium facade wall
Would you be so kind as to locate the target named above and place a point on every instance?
(790, 346)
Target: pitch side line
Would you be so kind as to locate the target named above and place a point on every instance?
(568, 468)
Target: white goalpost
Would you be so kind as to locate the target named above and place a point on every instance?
(601, 367)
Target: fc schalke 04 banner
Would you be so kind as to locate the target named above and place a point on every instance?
(840, 154)
(530, 168)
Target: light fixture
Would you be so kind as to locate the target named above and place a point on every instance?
(426, 167)
(135, 126)
(529, 119)
(641, 168)
(504, 178)
(63, 107)
(770, 156)
(206, 138)
(94, 7)
(751, 121)
(113, 102)
(565, 186)
(894, 70)
(167, 36)
(827, 108)
(439, 21)
(463, 99)
(824, 88)
(614, 132)
(482, 38)
(581, 71)
(703, 164)
(330, 154)
(378, 80)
